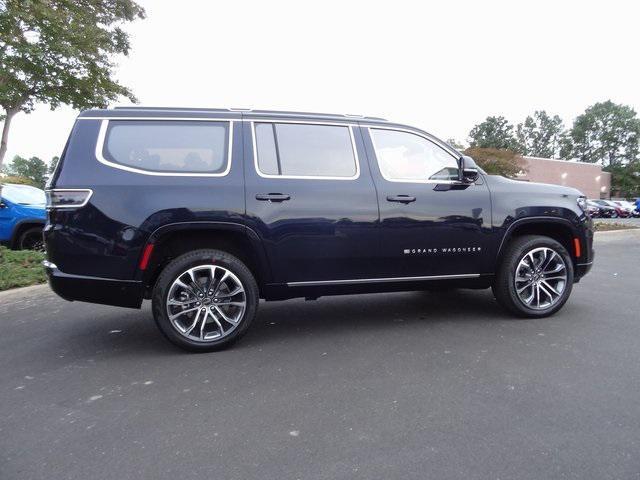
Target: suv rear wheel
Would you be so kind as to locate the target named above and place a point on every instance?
(205, 300)
(535, 277)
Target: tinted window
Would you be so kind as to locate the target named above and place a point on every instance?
(196, 147)
(305, 150)
(408, 157)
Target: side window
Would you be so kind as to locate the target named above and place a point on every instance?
(303, 150)
(404, 156)
(168, 146)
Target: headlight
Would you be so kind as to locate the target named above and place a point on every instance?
(582, 203)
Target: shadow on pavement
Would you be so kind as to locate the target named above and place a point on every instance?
(116, 332)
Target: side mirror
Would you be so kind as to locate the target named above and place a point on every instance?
(469, 170)
(2, 204)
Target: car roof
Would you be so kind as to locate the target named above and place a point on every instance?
(139, 111)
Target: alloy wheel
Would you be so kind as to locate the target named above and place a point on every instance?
(540, 278)
(206, 303)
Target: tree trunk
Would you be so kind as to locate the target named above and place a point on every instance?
(5, 133)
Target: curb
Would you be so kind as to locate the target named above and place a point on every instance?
(24, 290)
(622, 230)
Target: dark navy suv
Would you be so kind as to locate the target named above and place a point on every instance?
(207, 211)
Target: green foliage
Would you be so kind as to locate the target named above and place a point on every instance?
(497, 161)
(53, 164)
(606, 133)
(33, 169)
(60, 52)
(494, 132)
(20, 268)
(17, 180)
(455, 144)
(625, 179)
(541, 135)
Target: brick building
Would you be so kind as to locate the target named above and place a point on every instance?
(586, 177)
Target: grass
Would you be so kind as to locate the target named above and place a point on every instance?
(20, 268)
(605, 227)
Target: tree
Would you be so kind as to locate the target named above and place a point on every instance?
(606, 133)
(59, 52)
(53, 164)
(625, 179)
(494, 132)
(33, 169)
(497, 161)
(455, 144)
(541, 135)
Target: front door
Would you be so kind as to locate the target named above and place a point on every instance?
(431, 224)
(311, 198)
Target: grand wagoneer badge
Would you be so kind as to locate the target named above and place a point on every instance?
(429, 251)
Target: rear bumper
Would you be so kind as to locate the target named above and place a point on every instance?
(107, 291)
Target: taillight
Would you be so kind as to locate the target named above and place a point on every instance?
(67, 198)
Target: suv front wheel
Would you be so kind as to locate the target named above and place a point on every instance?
(205, 300)
(535, 277)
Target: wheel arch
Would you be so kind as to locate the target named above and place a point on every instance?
(173, 240)
(20, 227)
(560, 229)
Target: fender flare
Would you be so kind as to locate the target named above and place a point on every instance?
(212, 226)
(530, 220)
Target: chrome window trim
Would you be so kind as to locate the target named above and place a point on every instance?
(169, 119)
(419, 134)
(103, 132)
(86, 200)
(381, 280)
(304, 177)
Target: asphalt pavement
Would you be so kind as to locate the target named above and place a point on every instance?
(632, 221)
(405, 385)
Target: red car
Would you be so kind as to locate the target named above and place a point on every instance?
(620, 211)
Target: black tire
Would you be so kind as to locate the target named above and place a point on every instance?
(193, 259)
(31, 239)
(504, 288)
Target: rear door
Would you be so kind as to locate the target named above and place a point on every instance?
(311, 198)
(430, 224)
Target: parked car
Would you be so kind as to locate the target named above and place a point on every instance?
(206, 211)
(593, 209)
(628, 207)
(22, 217)
(607, 210)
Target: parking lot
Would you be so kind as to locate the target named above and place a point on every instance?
(406, 385)
(632, 222)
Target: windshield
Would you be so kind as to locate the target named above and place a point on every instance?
(23, 194)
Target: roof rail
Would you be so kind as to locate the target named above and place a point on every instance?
(248, 110)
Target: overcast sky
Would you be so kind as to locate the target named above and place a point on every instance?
(442, 66)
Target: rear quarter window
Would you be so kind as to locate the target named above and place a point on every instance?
(166, 147)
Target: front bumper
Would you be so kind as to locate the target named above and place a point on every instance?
(106, 291)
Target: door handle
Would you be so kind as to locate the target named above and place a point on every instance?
(272, 197)
(401, 198)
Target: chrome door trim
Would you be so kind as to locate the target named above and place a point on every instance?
(381, 280)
